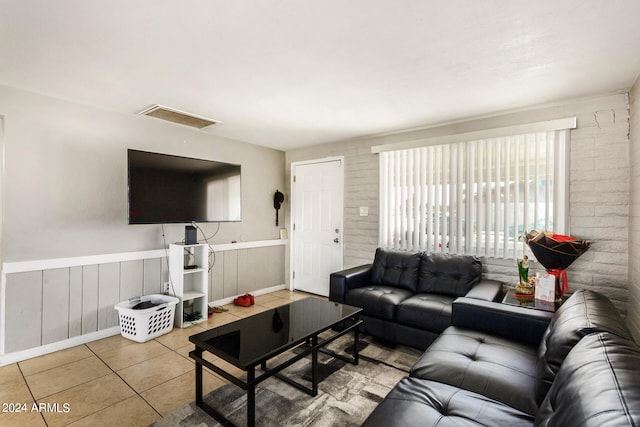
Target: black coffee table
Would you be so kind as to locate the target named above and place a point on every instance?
(251, 342)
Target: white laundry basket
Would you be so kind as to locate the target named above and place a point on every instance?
(144, 324)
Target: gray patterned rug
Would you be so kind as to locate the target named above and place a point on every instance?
(345, 397)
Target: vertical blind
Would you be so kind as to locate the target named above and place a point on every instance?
(476, 197)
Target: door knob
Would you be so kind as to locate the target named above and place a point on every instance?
(336, 240)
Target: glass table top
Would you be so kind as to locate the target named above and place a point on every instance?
(248, 341)
(529, 301)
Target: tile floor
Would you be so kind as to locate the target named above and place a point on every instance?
(114, 381)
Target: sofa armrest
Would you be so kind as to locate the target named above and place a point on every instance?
(487, 290)
(342, 281)
(519, 324)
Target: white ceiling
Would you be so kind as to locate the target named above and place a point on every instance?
(290, 73)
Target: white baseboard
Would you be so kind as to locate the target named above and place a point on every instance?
(19, 356)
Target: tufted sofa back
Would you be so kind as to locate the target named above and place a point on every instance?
(597, 385)
(583, 313)
(395, 268)
(452, 275)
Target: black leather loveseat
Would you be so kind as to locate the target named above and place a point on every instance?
(500, 365)
(406, 297)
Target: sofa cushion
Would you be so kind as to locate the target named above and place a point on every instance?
(446, 274)
(496, 367)
(597, 385)
(584, 312)
(395, 268)
(377, 301)
(416, 402)
(431, 312)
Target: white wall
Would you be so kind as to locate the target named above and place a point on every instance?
(634, 223)
(599, 189)
(65, 178)
(64, 199)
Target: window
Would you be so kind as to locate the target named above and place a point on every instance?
(476, 196)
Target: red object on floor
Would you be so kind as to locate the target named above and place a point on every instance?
(245, 300)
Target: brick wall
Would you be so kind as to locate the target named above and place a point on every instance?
(634, 211)
(599, 189)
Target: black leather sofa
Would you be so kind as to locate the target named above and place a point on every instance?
(406, 297)
(500, 365)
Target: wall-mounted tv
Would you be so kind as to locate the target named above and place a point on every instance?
(172, 189)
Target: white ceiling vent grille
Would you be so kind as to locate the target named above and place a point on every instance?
(177, 116)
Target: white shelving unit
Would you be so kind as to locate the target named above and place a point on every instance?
(189, 275)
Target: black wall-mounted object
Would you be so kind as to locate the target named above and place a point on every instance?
(167, 189)
(278, 199)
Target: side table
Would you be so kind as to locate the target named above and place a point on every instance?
(529, 301)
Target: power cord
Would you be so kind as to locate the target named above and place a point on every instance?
(166, 254)
(212, 253)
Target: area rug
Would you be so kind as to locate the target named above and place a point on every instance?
(346, 395)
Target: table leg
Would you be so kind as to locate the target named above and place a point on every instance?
(251, 397)
(314, 367)
(356, 333)
(198, 352)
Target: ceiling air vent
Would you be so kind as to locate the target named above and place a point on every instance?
(177, 116)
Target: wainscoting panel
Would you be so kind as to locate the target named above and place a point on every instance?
(152, 276)
(75, 302)
(216, 278)
(89, 298)
(257, 268)
(23, 311)
(55, 304)
(131, 279)
(230, 274)
(108, 294)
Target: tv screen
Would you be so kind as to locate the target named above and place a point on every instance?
(171, 189)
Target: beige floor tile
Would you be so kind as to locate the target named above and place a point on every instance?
(122, 357)
(261, 299)
(173, 394)
(153, 372)
(184, 351)
(223, 364)
(66, 376)
(53, 360)
(22, 419)
(96, 396)
(290, 295)
(109, 344)
(9, 373)
(237, 372)
(179, 337)
(219, 319)
(15, 391)
(249, 311)
(276, 302)
(86, 399)
(131, 412)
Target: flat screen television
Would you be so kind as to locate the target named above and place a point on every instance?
(172, 189)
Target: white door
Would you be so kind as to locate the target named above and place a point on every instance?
(316, 223)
